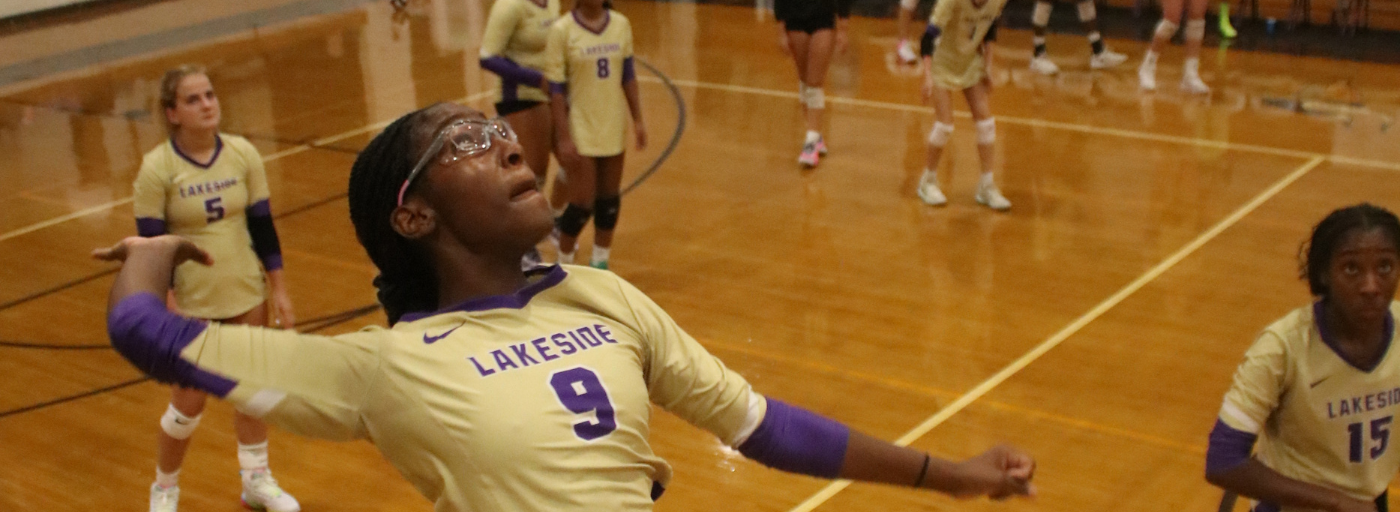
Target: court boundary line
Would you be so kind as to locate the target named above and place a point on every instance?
(1042, 123)
(315, 144)
(977, 392)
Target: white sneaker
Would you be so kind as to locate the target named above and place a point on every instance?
(1147, 76)
(1192, 84)
(991, 197)
(905, 52)
(1043, 65)
(260, 492)
(1107, 59)
(165, 499)
(929, 192)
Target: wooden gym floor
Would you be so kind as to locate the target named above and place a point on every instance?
(1096, 324)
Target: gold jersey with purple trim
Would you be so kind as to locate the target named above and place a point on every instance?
(207, 204)
(539, 400)
(957, 62)
(519, 30)
(591, 64)
(1319, 419)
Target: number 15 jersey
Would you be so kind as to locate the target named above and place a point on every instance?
(591, 64)
(1319, 419)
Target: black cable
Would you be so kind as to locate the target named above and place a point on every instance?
(675, 137)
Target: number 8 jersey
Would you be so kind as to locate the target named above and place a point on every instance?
(537, 400)
(207, 203)
(591, 65)
(1319, 419)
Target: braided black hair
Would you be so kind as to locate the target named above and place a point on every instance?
(406, 281)
(1315, 255)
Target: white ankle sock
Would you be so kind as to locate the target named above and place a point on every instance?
(1150, 58)
(1192, 67)
(813, 136)
(252, 457)
(986, 181)
(566, 257)
(167, 480)
(600, 254)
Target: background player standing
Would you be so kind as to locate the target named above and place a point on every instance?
(473, 416)
(1195, 31)
(1320, 385)
(591, 74)
(811, 31)
(210, 188)
(513, 47)
(905, 50)
(1102, 57)
(957, 49)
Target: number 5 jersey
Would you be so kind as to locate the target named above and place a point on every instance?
(1319, 419)
(207, 204)
(538, 400)
(592, 66)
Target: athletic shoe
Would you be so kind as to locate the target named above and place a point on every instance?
(821, 146)
(905, 52)
(1106, 59)
(1227, 30)
(809, 156)
(260, 492)
(1147, 76)
(1192, 84)
(1043, 65)
(165, 499)
(600, 265)
(991, 197)
(929, 192)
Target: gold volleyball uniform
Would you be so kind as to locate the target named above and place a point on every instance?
(957, 61)
(1319, 419)
(207, 204)
(592, 65)
(538, 400)
(519, 30)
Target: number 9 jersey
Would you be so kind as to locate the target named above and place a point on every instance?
(537, 400)
(207, 204)
(1319, 419)
(593, 66)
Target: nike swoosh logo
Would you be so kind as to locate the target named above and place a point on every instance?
(177, 420)
(429, 340)
(1319, 381)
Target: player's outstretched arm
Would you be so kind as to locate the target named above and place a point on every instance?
(1230, 467)
(792, 439)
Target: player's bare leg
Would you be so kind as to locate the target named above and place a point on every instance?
(1166, 28)
(260, 489)
(1195, 31)
(938, 137)
(1040, 21)
(583, 182)
(1102, 57)
(979, 101)
(819, 48)
(905, 50)
(606, 208)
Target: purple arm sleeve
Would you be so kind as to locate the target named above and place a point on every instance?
(1228, 448)
(559, 88)
(151, 338)
(148, 227)
(629, 70)
(264, 235)
(511, 71)
(796, 440)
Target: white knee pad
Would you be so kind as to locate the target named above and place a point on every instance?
(1087, 11)
(178, 425)
(1195, 30)
(940, 134)
(815, 98)
(987, 131)
(1166, 29)
(908, 5)
(1040, 17)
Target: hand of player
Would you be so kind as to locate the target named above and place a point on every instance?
(841, 40)
(641, 129)
(282, 308)
(999, 473)
(927, 89)
(184, 250)
(987, 81)
(567, 153)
